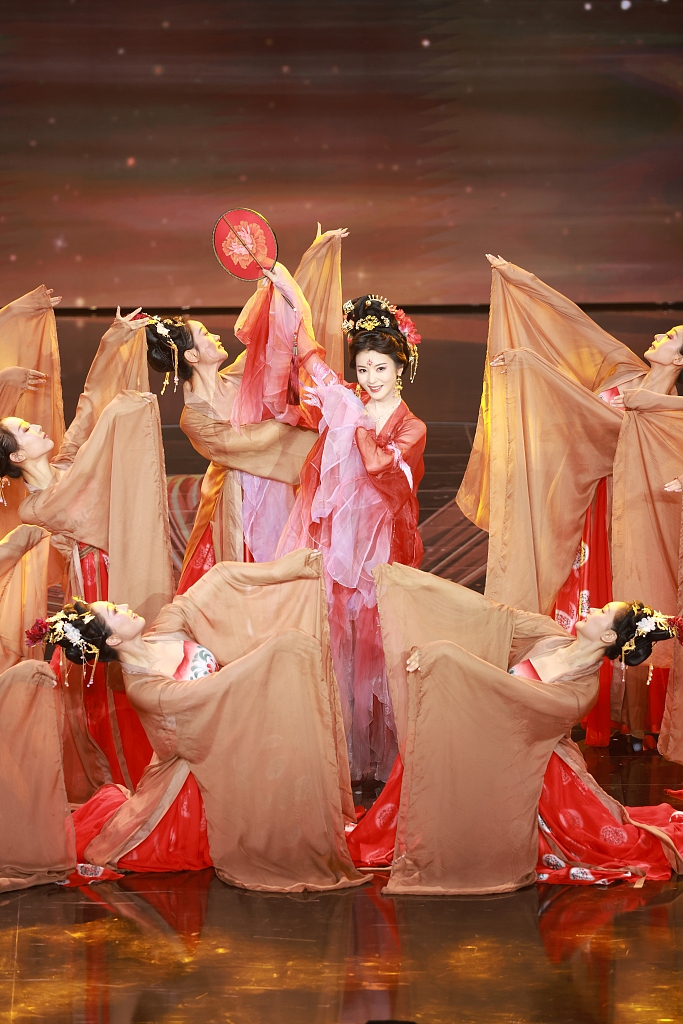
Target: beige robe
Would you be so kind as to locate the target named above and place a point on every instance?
(37, 840)
(263, 736)
(475, 740)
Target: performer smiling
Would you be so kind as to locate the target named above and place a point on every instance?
(358, 504)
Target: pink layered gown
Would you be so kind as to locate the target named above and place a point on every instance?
(358, 505)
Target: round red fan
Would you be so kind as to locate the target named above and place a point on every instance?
(245, 244)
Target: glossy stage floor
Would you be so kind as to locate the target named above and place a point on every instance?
(185, 948)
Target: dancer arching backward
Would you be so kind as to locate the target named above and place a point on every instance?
(564, 407)
(358, 504)
(103, 498)
(250, 770)
(509, 685)
(242, 418)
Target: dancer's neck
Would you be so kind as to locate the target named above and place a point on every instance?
(38, 473)
(661, 378)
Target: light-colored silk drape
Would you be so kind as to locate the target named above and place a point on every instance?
(475, 741)
(263, 736)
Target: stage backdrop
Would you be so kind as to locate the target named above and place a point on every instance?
(547, 130)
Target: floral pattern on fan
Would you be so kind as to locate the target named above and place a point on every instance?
(254, 239)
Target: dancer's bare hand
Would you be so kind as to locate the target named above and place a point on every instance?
(617, 402)
(413, 662)
(54, 299)
(496, 261)
(129, 319)
(337, 232)
(674, 485)
(23, 379)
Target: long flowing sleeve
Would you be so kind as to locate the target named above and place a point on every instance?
(268, 326)
(319, 277)
(24, 555)
(528, 314)
(28, 338)
(113, 496)
(120, 364)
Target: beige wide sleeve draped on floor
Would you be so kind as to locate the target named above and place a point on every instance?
(263, 736)
(553, 440)
(528, 314)
(113, 496)
(37, 841)
(475, 741)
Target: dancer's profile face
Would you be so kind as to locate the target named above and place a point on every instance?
(599, 623)
(376, 374)
(121, 620)
(32, 440)
(207, 346)
(666, 348)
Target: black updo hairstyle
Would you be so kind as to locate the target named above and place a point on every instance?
(370, 325)
(8, 446)
(625, 625)
(160, 353)
(95, 632)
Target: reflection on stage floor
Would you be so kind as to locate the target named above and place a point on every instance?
(185, 948)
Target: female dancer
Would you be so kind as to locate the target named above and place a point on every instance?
(358, 504)
(546, 445)
(104, 500)
(511, 684)
(240, 418)
(281, 825)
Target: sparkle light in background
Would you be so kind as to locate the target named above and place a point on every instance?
(547, 130)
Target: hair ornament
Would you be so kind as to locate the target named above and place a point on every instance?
(60, 627)
(4, 482)
(653, 622)
(162, 330)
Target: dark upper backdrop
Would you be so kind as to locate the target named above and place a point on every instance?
(546, 130)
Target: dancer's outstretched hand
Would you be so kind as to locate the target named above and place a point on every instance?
(23, 379)
(129, 319)
(496, 261)
(413, 662)
(54, 299)
(337, 232)
(674, 485)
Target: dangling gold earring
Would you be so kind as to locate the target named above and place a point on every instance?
(359, 391)
(398, 386)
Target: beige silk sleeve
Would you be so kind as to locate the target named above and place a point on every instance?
(319, 277)
(417, 608)
(264, 723)
(24, 558)
(120, 364)
(114, 497)
(554, 441)
(28, 338)
(528, 314)
(464, 826)
(268, 449)
(37, 840)
(236, 606)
